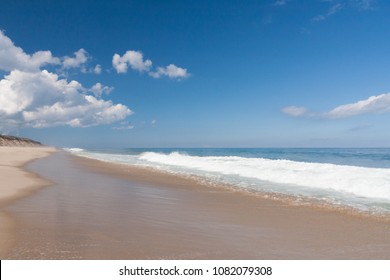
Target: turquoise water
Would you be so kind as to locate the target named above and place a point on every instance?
(357, 178)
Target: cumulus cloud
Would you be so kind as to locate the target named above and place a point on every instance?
(98, 89)
(78, 61)
(32, 97)
(98, 69)
(171, 71)
(41, 99)
(134, 59)
(13, 57)
(372, 105)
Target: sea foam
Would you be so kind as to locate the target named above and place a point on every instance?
(365, 188)
(360, 181)
(74, 150)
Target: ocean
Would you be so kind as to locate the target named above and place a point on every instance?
(345, 178)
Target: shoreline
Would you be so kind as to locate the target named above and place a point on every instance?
(99, 210)
(12, 173)
(160, 177)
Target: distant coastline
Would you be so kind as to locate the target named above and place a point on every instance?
(11, 141)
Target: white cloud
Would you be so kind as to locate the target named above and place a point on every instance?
(134, 59)
(372, 105)
(41, 99)
(294, 111)
(154, 123)
(98, 89)
(98, 69)
(332, 10)
(32, 97)
(12, 57)
(78, 61)
(171, 71)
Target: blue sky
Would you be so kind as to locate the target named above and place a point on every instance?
(196, 73)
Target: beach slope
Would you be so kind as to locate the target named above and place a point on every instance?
(99, 210)
(16, 182)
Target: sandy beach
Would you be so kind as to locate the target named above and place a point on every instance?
(97, 210)
(17, 183)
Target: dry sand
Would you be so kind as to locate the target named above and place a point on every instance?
(15, 181)
(98, 210)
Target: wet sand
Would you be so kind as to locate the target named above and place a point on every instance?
(97, 210)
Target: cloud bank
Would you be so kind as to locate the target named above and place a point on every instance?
(136, 61)
(34, 97)
(373, 105)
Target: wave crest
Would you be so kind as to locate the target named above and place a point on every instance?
(360, 181)
(74, 150)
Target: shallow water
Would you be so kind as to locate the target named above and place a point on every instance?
(357, 178)
(93, 213)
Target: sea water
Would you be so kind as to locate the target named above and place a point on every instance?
(357, 178)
